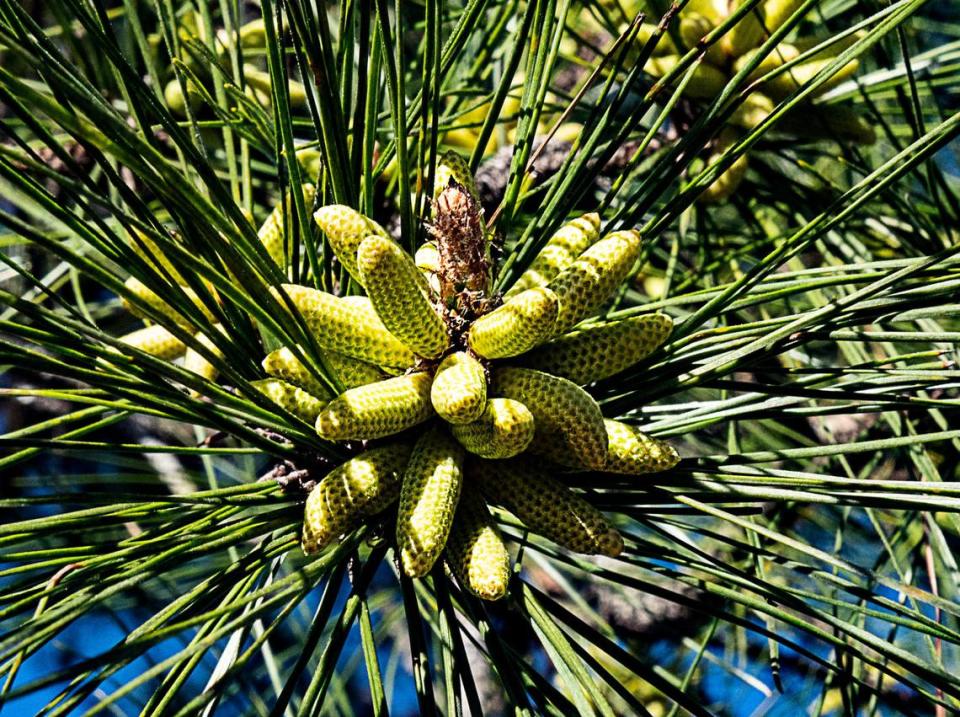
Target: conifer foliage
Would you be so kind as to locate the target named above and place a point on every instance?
(479, 357)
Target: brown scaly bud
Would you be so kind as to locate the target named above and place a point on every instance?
(464, 269)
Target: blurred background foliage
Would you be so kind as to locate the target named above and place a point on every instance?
(793, 168)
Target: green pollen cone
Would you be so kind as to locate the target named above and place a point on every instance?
(560, 251)
(706, 81)
(693, 28)
(525, 321)
(427, 257)
(777, 12)
(561, 410)
(747, 33)
(752, 111)
(140, 290)
(596, 352)
(345, 228)
(361, 487)
(260, 81)
(291, 398)
(400, 294)
(664, 44)
(283, 364)
(271, 232)
(156, 341)
(504, 430)
(349, 326)
(353, 372)
(377, 409)
(174, 99)
(786, 83)
(778, 56)
(451, 165)
(475, 550)
(428, 499)
(148, 250)
(459, 392)
(590, 281)
(546, 506)
(631, 452)
(727, 183)
(197, 363)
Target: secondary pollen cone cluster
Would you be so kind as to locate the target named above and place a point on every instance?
(159, 341)
(458, 398)
(493, 389)
(792, 64)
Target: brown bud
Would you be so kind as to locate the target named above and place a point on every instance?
(458, 228)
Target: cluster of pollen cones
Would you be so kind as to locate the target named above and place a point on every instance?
(493, 390)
